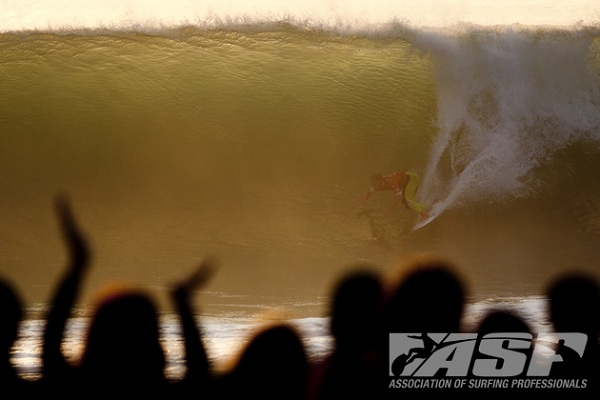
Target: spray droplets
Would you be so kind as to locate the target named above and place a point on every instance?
(508, 100)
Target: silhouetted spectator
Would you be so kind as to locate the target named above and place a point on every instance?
(122, 354)
(574, 306)
(198, 380)
(273, 365)
(427, 296)
(502, 321)
(355, 326)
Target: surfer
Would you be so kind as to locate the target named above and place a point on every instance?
(404, 184)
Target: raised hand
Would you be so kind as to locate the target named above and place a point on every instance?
(55, 365)
(205, 270)
(79, 252)
(198, 367)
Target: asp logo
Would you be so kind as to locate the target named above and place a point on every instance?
(505, 354)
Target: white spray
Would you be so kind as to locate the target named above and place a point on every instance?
(508, 99)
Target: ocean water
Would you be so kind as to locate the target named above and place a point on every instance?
(248, 131)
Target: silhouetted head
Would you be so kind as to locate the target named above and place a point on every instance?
(355, 309)
(427, 296)
(272, 365)
(123, 342)
(11, 312)
(574, 304)
(502, 321)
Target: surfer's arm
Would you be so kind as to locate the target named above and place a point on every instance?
(198, 367)
(399, 198)
(54, 364)
(367, 196)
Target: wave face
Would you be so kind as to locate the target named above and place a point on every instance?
(254, 141)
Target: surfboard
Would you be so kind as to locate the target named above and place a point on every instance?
(424, 222)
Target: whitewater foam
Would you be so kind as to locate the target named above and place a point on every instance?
(330, 14)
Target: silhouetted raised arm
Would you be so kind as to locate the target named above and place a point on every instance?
(198, 366)
(54, 363)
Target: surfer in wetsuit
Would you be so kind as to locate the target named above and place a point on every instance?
(404, 184)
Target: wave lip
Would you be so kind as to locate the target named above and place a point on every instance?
(68, 15)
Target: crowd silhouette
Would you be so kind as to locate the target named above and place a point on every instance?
(122, 356)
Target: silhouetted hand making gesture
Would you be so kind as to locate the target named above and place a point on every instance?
(198, 375)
